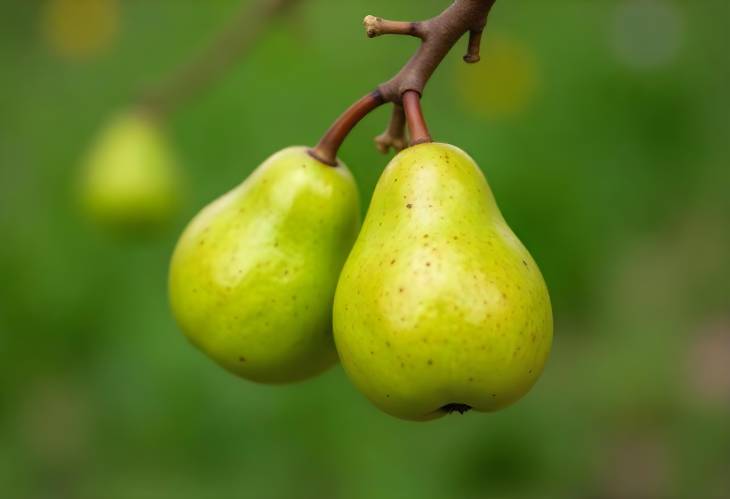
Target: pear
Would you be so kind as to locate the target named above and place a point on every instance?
(439, 307)
(253, 276)
(131, 182)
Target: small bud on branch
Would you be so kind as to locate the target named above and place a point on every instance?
(475, 44)
(376, 26)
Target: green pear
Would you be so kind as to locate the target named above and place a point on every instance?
(439, 307)
(131, 182)
(253, 276)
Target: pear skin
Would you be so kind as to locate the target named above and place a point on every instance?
(131, 182)
(253, 276)
(439, 307)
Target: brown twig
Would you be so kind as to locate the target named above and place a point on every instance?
(438, 36)
(395, 135)
(376, 26)
(217, 57)
(475, 44)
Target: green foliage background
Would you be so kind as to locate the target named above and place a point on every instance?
(615, 176)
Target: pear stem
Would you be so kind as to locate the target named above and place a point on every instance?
(249, 24)
(438, 36)
(326, 150)
(414, 117)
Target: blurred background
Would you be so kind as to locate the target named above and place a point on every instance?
(603, 129)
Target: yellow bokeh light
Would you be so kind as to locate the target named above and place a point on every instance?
(79, 29)
(503, 83)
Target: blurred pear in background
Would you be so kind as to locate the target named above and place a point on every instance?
(131, 181)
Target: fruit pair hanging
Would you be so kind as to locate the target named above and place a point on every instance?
(433, 306)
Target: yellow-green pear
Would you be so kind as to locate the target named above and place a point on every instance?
(253, 276)
(131, 182)
(439, 307)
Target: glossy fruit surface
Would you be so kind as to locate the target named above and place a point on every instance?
(439, 306)
(253, 276)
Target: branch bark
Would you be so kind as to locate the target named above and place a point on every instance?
(223, 51)
(438, 36)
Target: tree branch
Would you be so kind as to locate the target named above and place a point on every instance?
(438, 36)
(223, 51)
